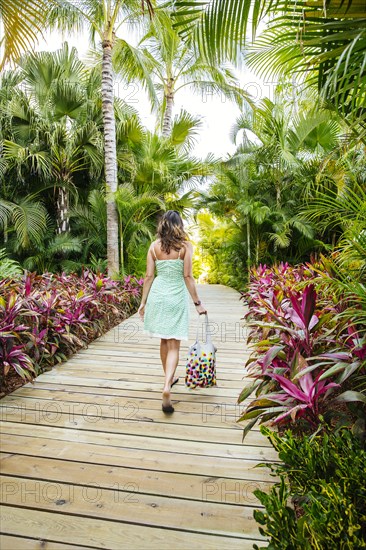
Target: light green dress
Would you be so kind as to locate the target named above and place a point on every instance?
(167, 305)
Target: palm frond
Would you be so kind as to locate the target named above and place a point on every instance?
(64, 244)
(135, 64)
(23, 22)
(8, 267)
(281, 239)
(219, 27)
(184, 130)
(29, 219)
(324, 45)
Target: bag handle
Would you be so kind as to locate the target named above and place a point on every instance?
(207, 332)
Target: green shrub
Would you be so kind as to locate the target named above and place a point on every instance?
(326, 484)
(278, 522)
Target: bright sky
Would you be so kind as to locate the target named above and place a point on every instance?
(217, 113)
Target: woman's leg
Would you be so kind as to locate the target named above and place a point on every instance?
(171, 363)
(163, 351)
(163, 354)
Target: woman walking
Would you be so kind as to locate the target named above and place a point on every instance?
(164, 305)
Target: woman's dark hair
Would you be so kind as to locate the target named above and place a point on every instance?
(171, 231)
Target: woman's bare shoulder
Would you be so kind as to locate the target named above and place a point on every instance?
(187, 246)
(153, 245)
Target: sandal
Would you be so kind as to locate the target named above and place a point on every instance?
(167, 409)
(175, 382)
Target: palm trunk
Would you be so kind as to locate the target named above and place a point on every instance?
(121, 246)
(168, 113)
(294, 97)
(278, 195)
(63, 222)
(5, 231)
(110, 157)
(248, 241)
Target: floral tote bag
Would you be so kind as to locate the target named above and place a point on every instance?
(201, 361)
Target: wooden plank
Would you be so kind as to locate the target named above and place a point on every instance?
(196, 400)
(210, 413)
(129, 424)
(132, 458)
(141, 442)
(149, 410)
(179, 485)
(153, 381)
(150, 369)
(138, 372)
(9, 542)
(106, 354)
(226, 349)
(112, 535)
(59, 378)
(129, 505)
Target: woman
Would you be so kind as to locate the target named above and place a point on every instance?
(165, 302)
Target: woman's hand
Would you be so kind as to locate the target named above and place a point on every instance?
(201, 309)
(141, 311)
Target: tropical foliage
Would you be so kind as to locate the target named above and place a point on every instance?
(325, 497)
(53, 205)
(167, 65)
(45, 318)
(326, 38)
(288, 161)
(22, 22)
(83, 185)
(308, 356)
(308, 372)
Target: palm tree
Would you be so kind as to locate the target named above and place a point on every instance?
(162, 165)
(220, 28)
(235, 195)
(330, 41)
(23, 20)
(52, 131)
(221, 249)
(345, 208)
(280, 136)
(103, 18)
(53, 140)
(158, 174)
(284, 151)
(52, 254)
(172, 65)
(262, 188)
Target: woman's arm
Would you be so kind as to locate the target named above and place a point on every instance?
(189, 279)
(148, 279)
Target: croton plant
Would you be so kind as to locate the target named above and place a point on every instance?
(45, 318)
(306, 358)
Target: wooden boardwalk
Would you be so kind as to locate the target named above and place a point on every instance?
(89, 460)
